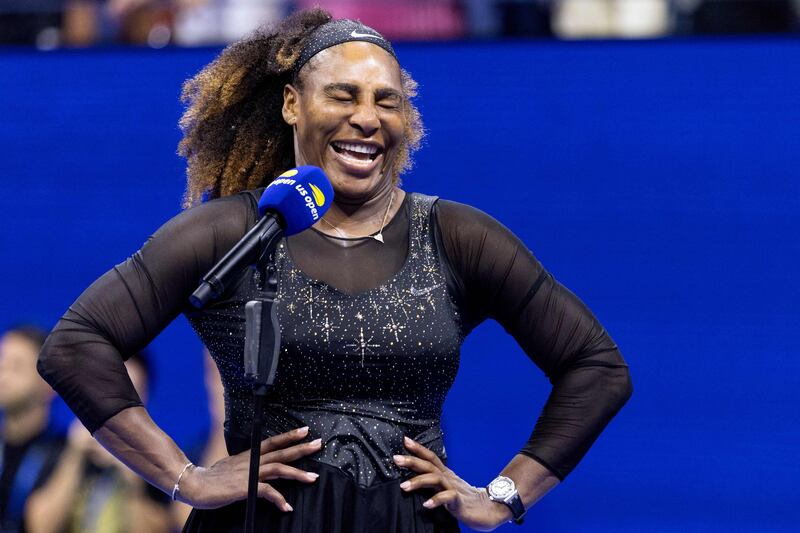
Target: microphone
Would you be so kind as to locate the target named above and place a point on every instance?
(293, 202)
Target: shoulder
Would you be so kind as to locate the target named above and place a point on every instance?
(240, 206)
(200, 235)
(451, 211)
(227, 216)
(462, 222)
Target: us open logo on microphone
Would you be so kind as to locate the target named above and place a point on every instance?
(319, 197)
(310, 203)
(313, 200)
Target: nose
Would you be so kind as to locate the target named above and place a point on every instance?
(365, 119)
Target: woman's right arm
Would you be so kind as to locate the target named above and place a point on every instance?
(119, 314)
(134, 438)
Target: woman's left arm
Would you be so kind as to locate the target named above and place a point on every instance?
(471, 505)
(494, 275)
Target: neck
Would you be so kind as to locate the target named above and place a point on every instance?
(23, 425)
(363, 218)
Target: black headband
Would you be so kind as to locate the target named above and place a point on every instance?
(338, 32)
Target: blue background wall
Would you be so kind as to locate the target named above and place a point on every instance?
(657, 180)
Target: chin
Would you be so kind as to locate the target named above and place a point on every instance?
(356, 188)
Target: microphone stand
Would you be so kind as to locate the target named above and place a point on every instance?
(261, 353)
(262, 336)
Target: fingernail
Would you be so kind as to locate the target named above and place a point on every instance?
(408, 441)
(287, 507)
(316, 442)
(312, 475)
(405, 484)
(302, 430)
(428, 504)
(399, 458)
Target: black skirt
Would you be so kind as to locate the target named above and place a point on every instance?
(334, 503)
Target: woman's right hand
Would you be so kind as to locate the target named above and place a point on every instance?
(226, 481)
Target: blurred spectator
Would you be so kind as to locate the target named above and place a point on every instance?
(745, 16)
(611, 18)
(28, 448)
(139, 22)
(52, 23)
(48, 24)
(31, 22)
(90, 491)
(202, 22)
(81, 23)
(212, 448)
(508, 18)
(400, 19)
(157, 23)
(524, 18)
(142, 21)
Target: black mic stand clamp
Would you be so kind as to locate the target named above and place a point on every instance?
(261, 352)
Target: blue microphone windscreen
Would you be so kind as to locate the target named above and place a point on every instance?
(301, 196)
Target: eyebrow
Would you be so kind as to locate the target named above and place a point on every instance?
(380, 94)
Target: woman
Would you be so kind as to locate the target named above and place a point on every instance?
(375, 302)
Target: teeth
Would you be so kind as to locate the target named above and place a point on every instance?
(354, 160)
(362, 148)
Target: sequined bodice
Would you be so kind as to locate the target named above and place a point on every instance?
(360, 370)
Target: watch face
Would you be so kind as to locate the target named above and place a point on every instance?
(501, 488)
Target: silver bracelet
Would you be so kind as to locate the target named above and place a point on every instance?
(177, 488)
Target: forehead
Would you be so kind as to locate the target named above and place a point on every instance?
(356, 62)
(16, 347)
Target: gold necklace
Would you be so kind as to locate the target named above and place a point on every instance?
(378, 236)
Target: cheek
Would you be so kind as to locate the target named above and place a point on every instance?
(317, 131)
(28, 382)
(324, 117)
(395, 128)
(14, 386)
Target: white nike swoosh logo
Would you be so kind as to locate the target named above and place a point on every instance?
(422, 292)
(354, 33)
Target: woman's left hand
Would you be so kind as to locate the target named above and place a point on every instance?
(469, 505)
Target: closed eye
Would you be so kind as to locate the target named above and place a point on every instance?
(390, 103)
(388, 98)
(341, 92)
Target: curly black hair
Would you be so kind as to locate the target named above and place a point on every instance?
(234, 135)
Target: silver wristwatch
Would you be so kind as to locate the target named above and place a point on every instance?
(503, 490)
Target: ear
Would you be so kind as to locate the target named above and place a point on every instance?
(291, 104)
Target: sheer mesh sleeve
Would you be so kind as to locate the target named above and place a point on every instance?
(493, 275)
(129, 305)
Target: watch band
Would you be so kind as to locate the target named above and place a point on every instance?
(514, 503)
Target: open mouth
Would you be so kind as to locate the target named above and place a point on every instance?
(357, 153)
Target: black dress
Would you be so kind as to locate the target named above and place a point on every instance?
(371, 336)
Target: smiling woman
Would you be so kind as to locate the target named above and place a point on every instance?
(235, 137)
(374, 303)
(348, 118)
